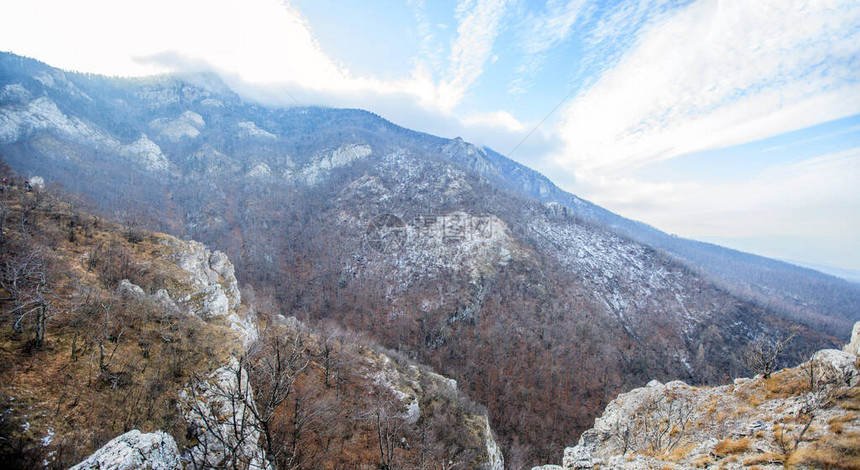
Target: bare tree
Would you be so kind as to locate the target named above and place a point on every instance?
(25, 278)
(661, 422)
(274, 364)
(762, 355)
(218, 409)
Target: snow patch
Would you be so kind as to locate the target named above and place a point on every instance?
(14, 93)
(43, 114)
(260, 171)
(330, 160)
(248, 129)
(212, 103)
(146, 153)
(187, 125)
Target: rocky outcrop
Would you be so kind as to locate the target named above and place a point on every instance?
(802, 416)
(495, 459)
(128, 290)
(146, 154)
(219, 413)
(419, 392)
(186, 126)
(210, 269)
(216, 293)
(134, 450)
(853, 347)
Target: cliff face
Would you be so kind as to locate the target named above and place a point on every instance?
(801, 417)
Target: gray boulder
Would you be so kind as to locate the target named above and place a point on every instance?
(219, 412)
(134, 450)
(127, 290)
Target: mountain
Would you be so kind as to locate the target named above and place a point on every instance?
(142, 350)
(801, 417)
(541, 305)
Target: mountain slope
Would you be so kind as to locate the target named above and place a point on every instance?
(107, 330)
(801, 417)
(541, 310)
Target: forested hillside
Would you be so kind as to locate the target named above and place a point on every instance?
(106, 328)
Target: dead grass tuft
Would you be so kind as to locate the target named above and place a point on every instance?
(730, 446)
(767, 458)
(680, 452)
(836, 424)
(703, 461)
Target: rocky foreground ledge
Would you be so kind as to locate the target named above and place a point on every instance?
(802, 417)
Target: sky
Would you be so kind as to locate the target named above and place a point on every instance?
(736, 122)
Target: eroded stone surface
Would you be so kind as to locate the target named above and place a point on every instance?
(134, 450)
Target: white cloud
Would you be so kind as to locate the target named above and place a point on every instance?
(259, 41)
(714, 75)
(499, 119)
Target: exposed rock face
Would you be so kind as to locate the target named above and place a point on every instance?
(752, 420)
(36, 182)
(324, 163)
(495, 459)
(147, 154)
(134, 450)
(219, 412)
(207, 303)
(260, 171)
(210, 269)
(412, 386)
(854, 346)
(127, 290)
(217, 294)
(186, 126)
(249, 130)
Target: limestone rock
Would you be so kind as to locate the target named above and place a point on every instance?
(134, 450)
(579, 457)
(207, 303)
(218, 412)
(162, 298)
(548, 467)
(127, 290)
(640, 429)
(853, 347)
(208, 268)
(495, 459)
(36, 182)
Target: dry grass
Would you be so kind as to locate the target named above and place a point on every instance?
(836, 424)
(831, 452)
(767, 458)
(680, 452)
(730, 446)
(703, 461)
(848, 398)
(785, 384)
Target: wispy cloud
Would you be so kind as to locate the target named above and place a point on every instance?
(552, 26)
(479, 24)
(540, 32)
(717, 74)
